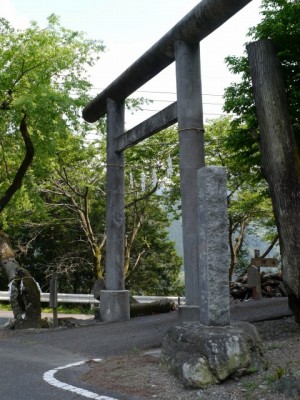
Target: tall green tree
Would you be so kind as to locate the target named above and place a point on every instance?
(248, 209)
(81, 193)
(281, 24)
(151, 263)
(43, 85)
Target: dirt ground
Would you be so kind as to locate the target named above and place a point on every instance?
(140, 374)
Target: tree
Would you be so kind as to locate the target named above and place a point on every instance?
(40, 70)
(81, 193)
(248, 210)
(151, 263)
(24, 292)
(44, 86)
(281, 24)
(280, 159)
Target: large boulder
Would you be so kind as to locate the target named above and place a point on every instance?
(24, 290)
(25, 300)
(203, 355)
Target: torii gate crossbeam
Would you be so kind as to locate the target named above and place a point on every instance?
(201, 21)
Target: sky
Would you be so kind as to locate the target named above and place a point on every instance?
(128, 28)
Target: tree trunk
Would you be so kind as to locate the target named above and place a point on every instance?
(97, 257)
(28, 158)
(280, 160)
(236, 240)
(24, 291)
(155, 307)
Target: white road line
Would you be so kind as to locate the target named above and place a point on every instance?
(49, 378)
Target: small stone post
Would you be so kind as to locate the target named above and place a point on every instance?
(213, 246)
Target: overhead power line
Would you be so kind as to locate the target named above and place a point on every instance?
(162, 92)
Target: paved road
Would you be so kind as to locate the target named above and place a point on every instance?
(27, 357)
(24, 358)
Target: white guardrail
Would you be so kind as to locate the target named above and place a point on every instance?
(89, 298)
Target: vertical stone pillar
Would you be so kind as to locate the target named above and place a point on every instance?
(191, 154)
(114, 304)
(213, 246)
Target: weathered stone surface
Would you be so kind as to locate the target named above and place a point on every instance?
(97, 287)
(213, 254)
(24, 291)
(114, 305)
(25, 300)
(202, 355)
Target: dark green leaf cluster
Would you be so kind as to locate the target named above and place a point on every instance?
(281, 23)
(57, 217)
(234, 146)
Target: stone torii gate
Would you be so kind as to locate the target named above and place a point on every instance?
(203, 189)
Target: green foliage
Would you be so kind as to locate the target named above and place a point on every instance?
(153, 265)
(155, 161)
(43, 76)
(158, 269)
(249, 205)
(78, 181)
(278, 374)
(5, 306)
(56, 218)
(281, 23)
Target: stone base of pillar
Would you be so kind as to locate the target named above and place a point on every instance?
(188, 313)
(114, 305)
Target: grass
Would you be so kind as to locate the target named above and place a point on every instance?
(250, 386)
(279, 372)
(65, 309)
(5, 306)
(62, 309)
(252, 370)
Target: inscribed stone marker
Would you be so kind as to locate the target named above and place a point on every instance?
(213, 246)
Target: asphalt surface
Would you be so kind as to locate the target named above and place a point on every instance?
(250, 311)
(260, 310)
(26, 356)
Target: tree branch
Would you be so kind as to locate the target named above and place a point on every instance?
(274, 241)
(18, 179)
(144, 197)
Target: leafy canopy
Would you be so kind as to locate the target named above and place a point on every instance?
(43, 77)
(281, 23)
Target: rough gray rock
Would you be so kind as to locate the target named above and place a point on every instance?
(97, 287)
(25, 300)
(203, 355)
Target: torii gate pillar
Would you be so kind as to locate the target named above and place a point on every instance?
(191, 154)
(114, 304)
